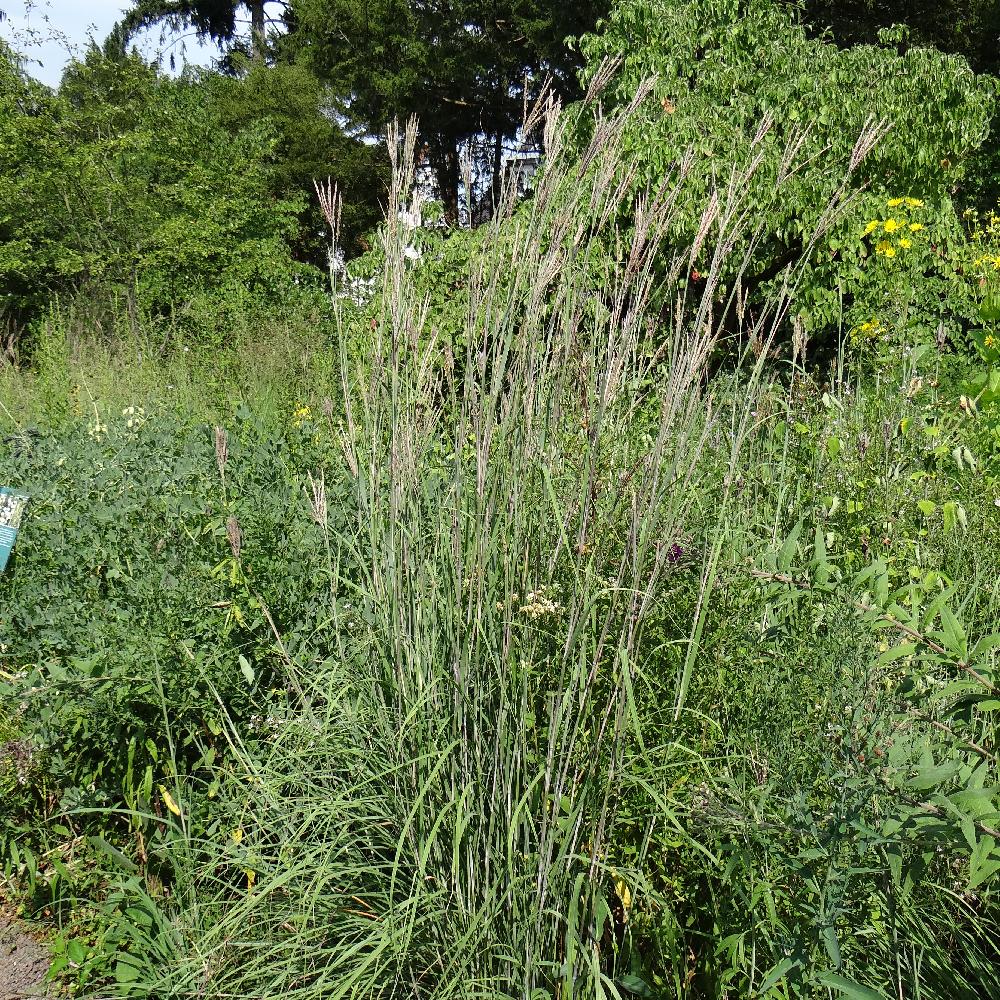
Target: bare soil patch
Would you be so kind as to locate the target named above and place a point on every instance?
(23, 961)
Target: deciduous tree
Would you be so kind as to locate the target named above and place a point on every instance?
(129, 185)
(739, 83)
(970, 28)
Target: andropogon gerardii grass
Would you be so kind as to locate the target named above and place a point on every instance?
(437, 817)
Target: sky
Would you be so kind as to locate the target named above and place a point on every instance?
(46, 31)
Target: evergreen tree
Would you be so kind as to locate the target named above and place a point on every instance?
(464, 68)
(215, 19)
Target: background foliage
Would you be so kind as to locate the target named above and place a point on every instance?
(744, 98)
(598, 602)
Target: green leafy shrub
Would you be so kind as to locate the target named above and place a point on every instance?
(140, 608)
(128, 184)
(741, 84)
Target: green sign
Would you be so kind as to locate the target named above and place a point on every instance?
(11, 508)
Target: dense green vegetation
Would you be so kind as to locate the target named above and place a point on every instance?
(599, 602)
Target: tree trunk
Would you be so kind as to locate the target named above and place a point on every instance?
(496, 181)
(496, 185)
(446, 176)
(258, 31)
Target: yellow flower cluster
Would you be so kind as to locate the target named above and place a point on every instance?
(867, 330)
(981, 229)
(984, 235)
(301, 415)
(892, 225)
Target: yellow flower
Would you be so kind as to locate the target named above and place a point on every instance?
(169, 802)
(990, 340)
(891, 225)
(915, 227)
(913, 203)
(905, 244)
(885, 248)
(237, 835)
(894, 202)
(871, 227)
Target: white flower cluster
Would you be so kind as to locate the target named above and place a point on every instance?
(357, 290)
(135, 417)
(539, 604)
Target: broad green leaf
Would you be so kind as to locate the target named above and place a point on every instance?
(832, 945)
(776, 974)
(848, 987)
(789, 547)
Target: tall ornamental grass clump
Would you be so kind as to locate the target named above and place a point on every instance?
(435, 818)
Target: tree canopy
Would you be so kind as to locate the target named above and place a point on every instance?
(166, 193)
(970, 28)
(215, 19)
(464, 68)
(740, 84)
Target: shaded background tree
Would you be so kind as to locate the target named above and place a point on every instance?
(970, 28)
(126, 187)
(261, 81)
(464, 68)
(310, 145)
(215, 19)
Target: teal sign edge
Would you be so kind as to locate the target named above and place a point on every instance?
(10, 521)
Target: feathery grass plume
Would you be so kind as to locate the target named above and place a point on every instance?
(221, 452)
(317, 499)
(330, 204)
(234, 535)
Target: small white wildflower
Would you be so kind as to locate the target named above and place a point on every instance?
(538, 604)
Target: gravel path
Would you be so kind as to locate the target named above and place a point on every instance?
(23, 962)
